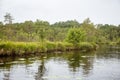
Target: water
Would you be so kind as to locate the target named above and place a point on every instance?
(103, 64)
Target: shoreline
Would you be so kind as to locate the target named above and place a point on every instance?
(9, 48)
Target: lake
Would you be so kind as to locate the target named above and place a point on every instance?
(103, 64)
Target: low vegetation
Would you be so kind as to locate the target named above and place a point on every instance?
(25, 48)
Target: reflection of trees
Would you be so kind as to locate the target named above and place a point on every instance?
(108, 52)
(5, 60)
(74, 61)
(84, 60)
(5, 66)
(88, 65)
(8, 63)
(41, 71)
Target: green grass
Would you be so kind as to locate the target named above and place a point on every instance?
(21, 48)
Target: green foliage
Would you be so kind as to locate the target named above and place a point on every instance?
(66, 24)
(75, 36)
(40, 30)
(90, 30)
(40, 36)
(18, 47)
(50, 45)
(86, 46)
(109, 32)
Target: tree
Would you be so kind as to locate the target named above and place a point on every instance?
(90, 30)
(28, 27)
(41, 29)
(87, 21)
(8, 18)
(75, 36)
(66, 24)
(110, 32)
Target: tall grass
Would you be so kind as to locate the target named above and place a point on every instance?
(86, 46)
(22, 48)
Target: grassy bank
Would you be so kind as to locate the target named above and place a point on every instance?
(24, 48)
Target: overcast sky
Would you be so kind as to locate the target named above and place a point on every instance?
(99, 11)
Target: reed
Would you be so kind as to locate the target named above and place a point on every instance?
(86, 46)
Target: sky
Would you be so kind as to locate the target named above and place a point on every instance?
(99, 11)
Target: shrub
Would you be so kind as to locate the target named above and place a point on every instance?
(75, 36)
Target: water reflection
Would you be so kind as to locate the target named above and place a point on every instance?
(84, 60)
(63, 66)
(108, 52)
(41, 70)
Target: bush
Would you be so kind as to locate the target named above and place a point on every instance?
(75, 36)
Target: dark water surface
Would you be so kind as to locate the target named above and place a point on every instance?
(103, 64)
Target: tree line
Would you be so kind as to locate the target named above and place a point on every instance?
(40, 30)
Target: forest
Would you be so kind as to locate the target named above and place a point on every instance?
(60, 35)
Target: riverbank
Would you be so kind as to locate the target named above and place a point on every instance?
(8, 48)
